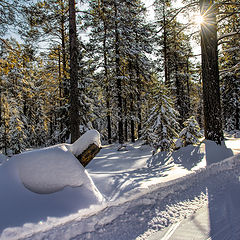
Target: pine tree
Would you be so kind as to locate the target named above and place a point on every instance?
(47, 21)
(160, 129)
(173, 53)
(123, 83)
(190, 134)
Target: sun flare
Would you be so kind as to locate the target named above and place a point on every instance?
(198, 19)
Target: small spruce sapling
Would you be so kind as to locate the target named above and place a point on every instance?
(190, 134)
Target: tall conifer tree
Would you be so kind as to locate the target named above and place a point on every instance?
(210, 73)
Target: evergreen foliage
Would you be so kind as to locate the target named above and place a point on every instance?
(190, 134)
(161, 127)
(135, 79)
(229, 65)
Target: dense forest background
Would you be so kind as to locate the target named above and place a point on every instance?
(107, 65)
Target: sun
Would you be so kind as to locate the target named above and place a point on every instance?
(198, 19)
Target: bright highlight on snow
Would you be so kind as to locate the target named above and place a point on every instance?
(44, 183)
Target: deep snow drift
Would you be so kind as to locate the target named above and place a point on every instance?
(143, 193)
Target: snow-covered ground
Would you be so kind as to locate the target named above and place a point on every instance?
(126, 194)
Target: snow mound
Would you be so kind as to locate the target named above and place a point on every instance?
(43, 184)
(49, 170)
(91, 136)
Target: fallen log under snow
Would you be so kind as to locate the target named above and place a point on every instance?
(88, 154)
(86, 147)
(51, 169)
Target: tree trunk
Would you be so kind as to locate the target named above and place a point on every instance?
(74, 102)
(167, 81)
(237, 120)
(126, 121)
(132, 120)
(188, 90)
(107, 83)
(64, 61)
(139, 99)
(210, 73)
(60, 91)
(132, 109)
(118, 76)
(1, 102)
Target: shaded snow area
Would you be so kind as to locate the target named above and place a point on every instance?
(3, 158)
(127, 194)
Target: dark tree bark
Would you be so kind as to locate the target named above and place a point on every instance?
(179, 95)
(107, 82)
(118, 76)
(132, 120)
(139, 100)
(237, 120)
(132, 109)
(167, 81)
(188, 89)
(126, 121)
(74, 102)
(0, 102)
(64, 61)
(210, 73)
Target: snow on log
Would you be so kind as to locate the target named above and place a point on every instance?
(51, 169)
(86, 147)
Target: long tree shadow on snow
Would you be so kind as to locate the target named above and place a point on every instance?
(158, 166)
(224, 204)
(129, 180)
(188, 157)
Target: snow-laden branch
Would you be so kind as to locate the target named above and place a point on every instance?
(177, 11)
(228, 3)
(228, 35)
(233, 49)
(226, 15)
(8, 46)
(235, 67)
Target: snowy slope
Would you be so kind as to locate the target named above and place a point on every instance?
(144, 193)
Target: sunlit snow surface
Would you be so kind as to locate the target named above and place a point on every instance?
(143, 193)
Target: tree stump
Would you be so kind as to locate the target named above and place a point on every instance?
(88, 154)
